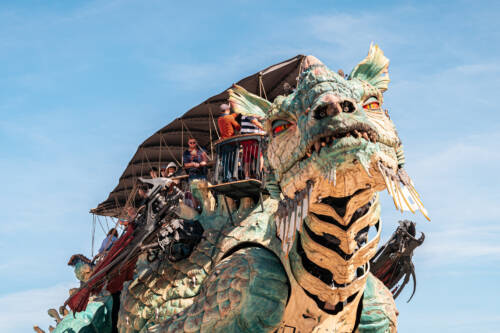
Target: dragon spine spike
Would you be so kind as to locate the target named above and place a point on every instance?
(387, 183)
(421, 205)
(278, 225)
(298, 214)
(393, 193)
(305, 208)
(415, 190)
(415, 195)
(293, 226)
(287, 228)
(399, 194)
(405, 201)
(282, 228)
(396, 192)
(406, 196)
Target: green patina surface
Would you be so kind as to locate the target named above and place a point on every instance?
(374, 318)
(95, 319)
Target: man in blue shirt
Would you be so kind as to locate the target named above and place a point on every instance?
(195, 161)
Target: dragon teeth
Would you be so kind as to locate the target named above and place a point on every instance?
(401, 194)
(305, 207)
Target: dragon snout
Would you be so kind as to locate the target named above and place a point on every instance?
(331, 105)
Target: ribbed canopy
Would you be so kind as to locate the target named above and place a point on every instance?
(168, 143)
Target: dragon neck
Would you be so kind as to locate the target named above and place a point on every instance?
(331, 261)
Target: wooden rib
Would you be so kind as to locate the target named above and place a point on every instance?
(343, 270)
(346, 237)
(326, 293)
(324, 209)
(357, 201)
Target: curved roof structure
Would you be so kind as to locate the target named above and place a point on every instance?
(168, 143)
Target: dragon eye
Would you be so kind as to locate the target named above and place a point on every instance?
(371, 104)
(280, 126)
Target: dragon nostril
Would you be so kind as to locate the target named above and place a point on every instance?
(333, 109)
(347, 106)
(321, 112)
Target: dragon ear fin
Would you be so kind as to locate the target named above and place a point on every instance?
(373, 69)
(247, 103)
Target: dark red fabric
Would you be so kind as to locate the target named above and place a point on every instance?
(78, 301)
(250, 150)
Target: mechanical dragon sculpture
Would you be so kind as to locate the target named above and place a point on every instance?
(299, 260)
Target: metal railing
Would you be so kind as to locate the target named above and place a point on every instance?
(238, 158)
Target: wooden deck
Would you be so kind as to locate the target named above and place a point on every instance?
(239, 188)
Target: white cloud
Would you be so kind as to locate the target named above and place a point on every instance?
(458, 182)
(459, 188)
(463, 243)
(20, 311)
(475, 69)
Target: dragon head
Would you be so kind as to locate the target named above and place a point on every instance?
(333, 133)
(333, 130)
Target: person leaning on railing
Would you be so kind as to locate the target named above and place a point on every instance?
(227, 127)
(250, 125)
(195, 161)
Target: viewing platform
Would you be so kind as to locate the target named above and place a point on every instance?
(239, 166)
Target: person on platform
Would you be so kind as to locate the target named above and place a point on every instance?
(227, 128)
(109, 240)
(171, 170)
(195, 161)
(251, 125)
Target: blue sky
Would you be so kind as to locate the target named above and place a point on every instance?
(83, 83)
